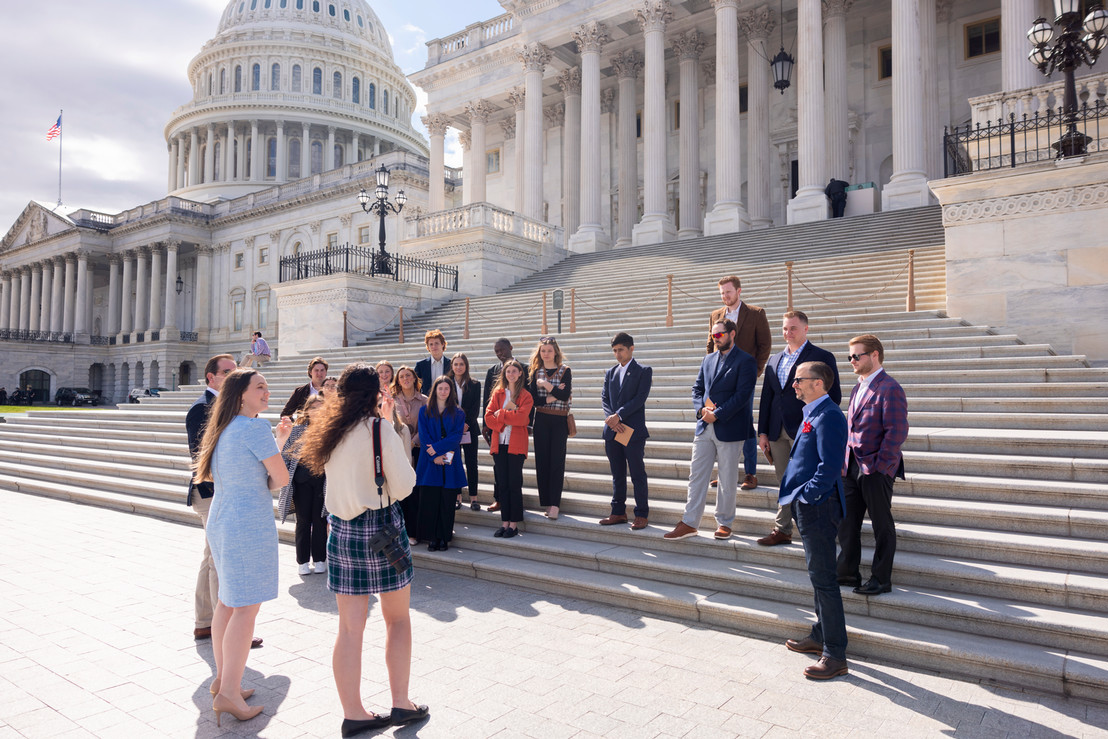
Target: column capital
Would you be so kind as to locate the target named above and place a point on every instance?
(249, 241)
(718, 4)
(254, 122)
(36, 267)
(70, 258)
(479, 111)
(114, 259)
(554, 114)
(508, 125)
(58, 260)
(943, 10)
(280, 124)
(653, 15)
(436, 123)
(173, 244)
(759, 23)
(590, 37)
(836, 7)
(627, 64)
(517, 97)
(274, 237)
(689, 45)
(157, 248)
(345, 220)
(142, 252)
(570, 81)
(534, 57)
(465, 138)
(608, 100)
(331, 130)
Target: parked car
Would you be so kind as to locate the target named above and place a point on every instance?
(144, 392)
(74, 396)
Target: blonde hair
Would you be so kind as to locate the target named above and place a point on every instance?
(536, 360)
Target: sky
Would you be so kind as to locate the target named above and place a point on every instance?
(118, 69)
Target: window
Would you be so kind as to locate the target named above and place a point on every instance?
(237, 306)
(209, 83)
(982, 38)
(361, 24)
(331, 10)
(275, 77)
(340, 155)
(256, 78)
(363, 235)
(299, 4)
(263, 255)
(218, 161)
(235, 157)
(346, 15)
(253, 4)
(238, 79)
(317, 157)
(356, 90)
(492, 162)
(638, 124)
(332, 240)
(249, 152)
(317, 81)
(222, 81)
(271, 157)
(742, 98)
(372, 95)
(315, 5)
(385, 102)
(296, 78)
(676, 115)
(263, 312)
(267, 4)
(284, 3)
(294, 159)
(885, 62)
(336, 85)
(296, 248)
(240, 260)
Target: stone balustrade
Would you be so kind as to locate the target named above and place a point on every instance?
(472, 37)
(998, 106)
(487, 216)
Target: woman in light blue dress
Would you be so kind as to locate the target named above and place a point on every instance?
(240, 455)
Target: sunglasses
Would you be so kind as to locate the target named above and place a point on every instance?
(719, 335)
(546, 339)
(856, 357)
(802, 379)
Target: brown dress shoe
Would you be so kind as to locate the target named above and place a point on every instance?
(494, 507)
(640, 523)
(255, 642)
(681, 531)
(612, 520)
(750, 482)
(723, 532)
(204, 632)
(774, 539)
(807, 645)
(825, 669)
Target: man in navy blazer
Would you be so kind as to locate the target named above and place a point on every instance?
(780, 411)
(813, 486)
(721, 397)
(623, 398)
(435, 365)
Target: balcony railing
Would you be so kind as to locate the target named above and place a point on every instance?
(482, 215)
(52, 337)
(349, 259)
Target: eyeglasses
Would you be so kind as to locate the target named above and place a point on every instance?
(802, 379)
(720, 335)
(856, 357)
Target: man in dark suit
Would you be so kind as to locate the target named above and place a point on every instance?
(721, 398)
(813, 487)
(623, 397)
(877, 422)
(780, 411)
(317, 374)
(434, 366)
(753, 337)
(836, 192)
(503, 351)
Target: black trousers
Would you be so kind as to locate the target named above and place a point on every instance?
(436, 512)
(838, 206)
(551, 433)
(508, 469)
(410, 507)
(621, 459)
(873, 494)
(469, 456)
(311, 524)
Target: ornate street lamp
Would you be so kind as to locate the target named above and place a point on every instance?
(1068, 52)
(782, 63)
(380, 205)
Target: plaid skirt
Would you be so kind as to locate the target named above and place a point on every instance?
(352, 567)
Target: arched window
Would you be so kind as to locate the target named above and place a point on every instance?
(317, 157)
(336, 85)
(385, 102)
(222, 81)
(209, 83)
(296, 78)
(346, 15)
(238, 79)
(275, 77)
(201, 155)
(284, 3)
(218, 162)
(317, 81)
(256, 78)
(356, 90)
(294, 159)
(299, 4)
(271, 157)
(249, 148)
(340, 155)
(253, 4)
(372, 95)
(235, 158)
(315, 5)
(267, 4)
(331, 10)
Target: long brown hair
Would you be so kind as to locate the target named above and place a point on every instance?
(224, 410)
(302, 415)
(355, 402)
(502, 380)
(465, 378)
(536, 360)
(395, 386)
(433, 398)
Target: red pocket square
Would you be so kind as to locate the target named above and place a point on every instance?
(807, 427)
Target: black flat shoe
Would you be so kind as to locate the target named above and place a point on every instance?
(500, 532)
(433, 546)
(510, 532)
(474, 506)
(457, 505)
(872, 587)
(443, 546)
(353, 727)
(401, 716)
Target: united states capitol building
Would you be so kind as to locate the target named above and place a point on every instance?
(584, 127)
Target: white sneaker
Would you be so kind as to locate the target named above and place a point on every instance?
(305, 569)
(320, 568)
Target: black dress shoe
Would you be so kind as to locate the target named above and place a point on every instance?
(401, 716)
(353, 727)
(500, 532)
(510, 532)
(433, 546)
(443, 546)
(872, 587)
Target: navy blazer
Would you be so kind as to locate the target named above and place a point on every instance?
(779, 406)
(423, 372)
(732, 390)
(815, 464)
(630, 402)
(195, 421)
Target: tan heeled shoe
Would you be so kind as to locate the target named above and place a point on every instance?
(214, 690)
(221, 705)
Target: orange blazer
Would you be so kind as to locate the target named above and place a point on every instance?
(496, 418)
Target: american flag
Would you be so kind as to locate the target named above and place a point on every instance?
(55, 130)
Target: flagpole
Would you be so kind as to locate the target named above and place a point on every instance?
(60, 133)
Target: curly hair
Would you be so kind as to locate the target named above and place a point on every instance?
(355, 402)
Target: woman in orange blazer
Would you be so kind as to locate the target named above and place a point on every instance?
(507, 415)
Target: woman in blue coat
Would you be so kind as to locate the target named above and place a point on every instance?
(440, 472)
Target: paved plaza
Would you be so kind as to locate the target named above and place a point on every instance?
(96, 640)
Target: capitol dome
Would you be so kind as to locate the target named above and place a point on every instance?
(288, 89)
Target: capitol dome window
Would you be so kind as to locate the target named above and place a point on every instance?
(299, 4)
(385, 102)
(372, 96)
(317, 81)
(315, 5)
(331, 10)
(222, 81)
(317, 157)
(346, 15)
(296, 78)
(294, 159)
(271, 157)
(242, 6)
(356, 91)
(336, 86)
(256, 78)
(268, 3)
(360, 23)
(340, 155)
(284, 3)
(238, 79)
(275, 77)
(253, 4)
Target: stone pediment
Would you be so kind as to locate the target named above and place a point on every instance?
(35, 223)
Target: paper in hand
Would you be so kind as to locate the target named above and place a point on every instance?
(623, 437)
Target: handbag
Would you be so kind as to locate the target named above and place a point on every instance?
(571, 426)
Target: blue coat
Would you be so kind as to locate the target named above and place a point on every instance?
(815, 464)
(779, 408)
(445, 435)
(630, 401)
(732, 386)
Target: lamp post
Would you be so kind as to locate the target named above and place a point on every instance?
(380, 205)
(1068, 52)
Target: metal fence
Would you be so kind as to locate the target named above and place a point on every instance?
(365, 261)
(54, 337)
(1024, 140)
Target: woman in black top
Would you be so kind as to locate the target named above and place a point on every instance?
(550, 383)
(305, 493)
(469, 392)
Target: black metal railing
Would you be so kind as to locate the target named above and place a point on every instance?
(365, 261)
(190, 336)
(101, 340)
(1024, 140)
(55, 337)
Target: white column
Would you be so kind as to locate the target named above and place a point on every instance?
(908, 186)
(355, 154)
(194, 157)
(155, 320)
(36, 297)
(142, 289)
(80, 315)
(241, 139)
(89, 281)
(655, 226)
(6, 302)
(57, 296)
(169, 324)
(46, 299)
(305, 150)
(180, 168)
(1016, 16)
(627, 66)
(436, 124)
(570, 82)
(25, 299)
(929, 66)
(282, 154)
(229, 153)
(70, 291)
(478, 118)
(534, 58)
(517, 98)
(209, 154)
(728, 214)
(329, 155)
(126, 304)
(202, 298)
(757, 26)
(256, 154)
(590, 234)
(810, 204)
(174, 147)
(688, 48)
(113, 296)
(13, 300)
(834, 86)
(465, 138)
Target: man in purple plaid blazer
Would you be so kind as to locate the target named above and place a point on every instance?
(877, 425)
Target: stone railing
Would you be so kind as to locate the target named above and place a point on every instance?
(473, 37)
(998, 106)
(483, 215)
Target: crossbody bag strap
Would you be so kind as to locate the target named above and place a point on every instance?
(378, 464)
